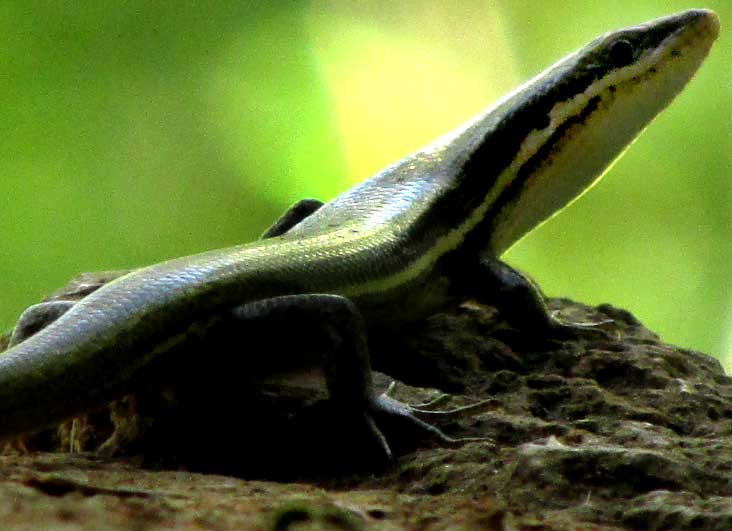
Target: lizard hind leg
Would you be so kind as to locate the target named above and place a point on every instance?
(346, 365)
(344, 358)
(39, 316)
(421, 415)
(294, 215)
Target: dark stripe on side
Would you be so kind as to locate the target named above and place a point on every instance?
(466, 170)
(476, 240)
(472, 164)
(496, 150)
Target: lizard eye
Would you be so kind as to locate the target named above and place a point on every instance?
(621, 53)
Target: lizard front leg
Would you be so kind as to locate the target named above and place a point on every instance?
(519, 300)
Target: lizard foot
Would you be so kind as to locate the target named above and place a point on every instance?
(418, 416)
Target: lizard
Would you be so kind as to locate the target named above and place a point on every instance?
(421, 236)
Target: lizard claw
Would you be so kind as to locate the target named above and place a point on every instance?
(561, 329)
(416, 415)
(426, 409)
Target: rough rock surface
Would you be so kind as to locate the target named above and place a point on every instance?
(616, 433)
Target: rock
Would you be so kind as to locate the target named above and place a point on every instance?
(606, 433)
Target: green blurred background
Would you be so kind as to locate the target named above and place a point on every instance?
(138, 131)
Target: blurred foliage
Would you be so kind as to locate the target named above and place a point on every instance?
(138, 131)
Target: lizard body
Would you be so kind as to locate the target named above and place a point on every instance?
(424, 234)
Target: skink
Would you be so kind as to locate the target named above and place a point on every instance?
(422, 235)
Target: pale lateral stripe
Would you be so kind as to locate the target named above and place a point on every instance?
(559, 114)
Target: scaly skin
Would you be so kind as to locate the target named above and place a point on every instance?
(416, 238)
